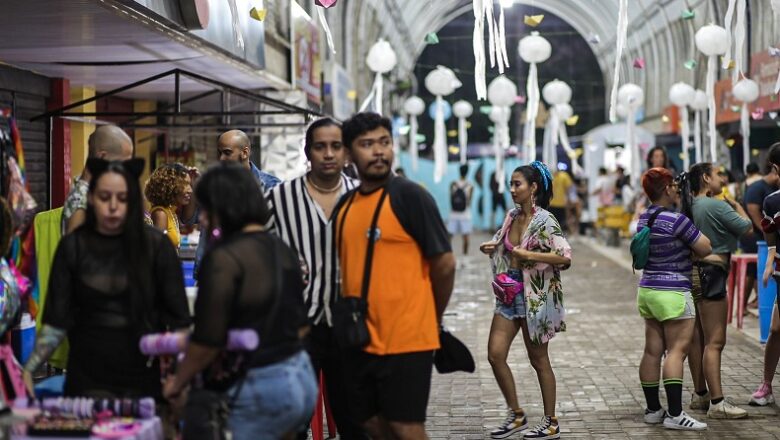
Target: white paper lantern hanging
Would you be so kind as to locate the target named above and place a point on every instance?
(556, 92)
(381, 59)
(699, 105)
(713, 41)
(414, 106)
(500, 118)
(682, 95)
(533, 49)
(745, 91)
(631, 96)
(502, 92)
(463, 110)
(440, 82)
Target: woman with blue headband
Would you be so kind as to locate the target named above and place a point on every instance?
(527, 256)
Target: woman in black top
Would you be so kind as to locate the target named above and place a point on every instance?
(113, 280)
(249, 280)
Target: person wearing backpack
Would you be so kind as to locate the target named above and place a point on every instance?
(664, 297)
(460, 208)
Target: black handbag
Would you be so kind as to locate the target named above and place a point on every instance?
(452, 355)
(350, 329)
(713, 280)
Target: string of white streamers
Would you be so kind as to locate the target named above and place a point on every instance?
(463, 140)
(739, 37)
(479, 50)
(236, 24)
(374, 95)
(622, 29)
(551, 136)
(564, 137)
(500, 145)
(532, 110)
(697, 135)
(413, 150)
(712, 66)
(727, 24)
(439, 142)
(636, 164)
(686, 137)
(326, 28)
(744, 129)
(483, 11)
(776, 9)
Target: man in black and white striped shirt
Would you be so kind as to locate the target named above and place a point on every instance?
(300, 214)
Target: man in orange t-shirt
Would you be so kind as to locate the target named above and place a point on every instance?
(412, 276)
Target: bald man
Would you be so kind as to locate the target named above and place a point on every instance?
(107, 142)
(234, 146)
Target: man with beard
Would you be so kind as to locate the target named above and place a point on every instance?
(409, 281)
(300, 212)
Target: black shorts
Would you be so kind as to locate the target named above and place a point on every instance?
(560, 215)
(394, 386)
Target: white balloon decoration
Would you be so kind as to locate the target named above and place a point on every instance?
(556, 92)
(462, 110)
(500, 118)
(533, 49)
(745, 91)
(565, 111)
(682, 95)
(502, 92)
(440, 82)
(414, 106)
(381, 59)
(713, 41)
(632, 97)
(699, 105)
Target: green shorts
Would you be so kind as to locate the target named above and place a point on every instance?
(664, 305)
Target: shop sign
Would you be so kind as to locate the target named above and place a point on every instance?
(764, 69)
(306, 55)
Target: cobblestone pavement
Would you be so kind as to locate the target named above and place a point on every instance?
(596, 362)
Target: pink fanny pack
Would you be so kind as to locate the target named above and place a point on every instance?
(505, 288)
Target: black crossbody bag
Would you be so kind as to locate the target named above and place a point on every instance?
(350, 313)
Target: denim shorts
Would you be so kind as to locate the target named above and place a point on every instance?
(516, 310)
(274, 400)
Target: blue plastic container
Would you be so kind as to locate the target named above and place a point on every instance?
(766, 295)
(188, 268)
(23, 338)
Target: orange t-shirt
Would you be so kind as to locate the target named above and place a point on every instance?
(401, 307)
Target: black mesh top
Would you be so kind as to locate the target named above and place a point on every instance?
(237, 290)
(90, 297)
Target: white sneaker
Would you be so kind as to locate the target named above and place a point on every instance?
(725, 410)
(684, 422)
(511, 425)
(655, 417)
(700, 402)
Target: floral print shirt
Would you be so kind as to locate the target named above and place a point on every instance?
(77, 199)
(543, 291)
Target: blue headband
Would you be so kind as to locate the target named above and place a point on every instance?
(546, 176)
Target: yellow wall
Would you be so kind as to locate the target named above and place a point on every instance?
(80, 131)
(145, 140)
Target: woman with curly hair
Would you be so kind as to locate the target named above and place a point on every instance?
(168, 189)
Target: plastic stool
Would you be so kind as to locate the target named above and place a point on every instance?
(737, 275)
(317, 432)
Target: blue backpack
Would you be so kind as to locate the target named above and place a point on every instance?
(640, 243)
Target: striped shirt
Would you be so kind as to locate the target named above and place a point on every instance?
(669, 265)
(301, 223)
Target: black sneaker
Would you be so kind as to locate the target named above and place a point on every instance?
(512, 424)
(546, 429)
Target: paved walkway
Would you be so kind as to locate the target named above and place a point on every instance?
(595, 361)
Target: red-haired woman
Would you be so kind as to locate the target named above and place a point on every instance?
(664, 299)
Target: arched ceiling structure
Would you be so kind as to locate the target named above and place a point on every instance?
(656, 33)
